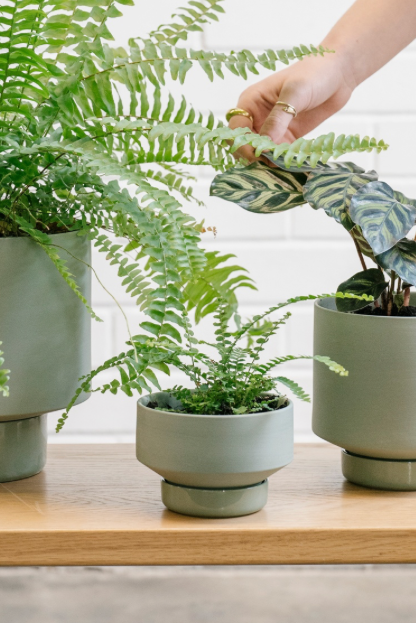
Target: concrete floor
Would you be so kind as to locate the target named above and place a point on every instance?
(204, 595)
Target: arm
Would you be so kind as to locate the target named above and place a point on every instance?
(370, 34)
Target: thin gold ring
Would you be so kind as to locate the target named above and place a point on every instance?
(233, 112)
(288, 108)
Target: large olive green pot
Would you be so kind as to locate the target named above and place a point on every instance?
(45, 334)
(213, 465)
(371, 413)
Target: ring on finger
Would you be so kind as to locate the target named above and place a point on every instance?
(234, 112)
(287, 108)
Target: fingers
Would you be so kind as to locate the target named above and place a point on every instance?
(246, 151)
(278, 121)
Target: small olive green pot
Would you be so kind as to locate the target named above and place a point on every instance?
(213, 465)
(371, 412)
(45, 334)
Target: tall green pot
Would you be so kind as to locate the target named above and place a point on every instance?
(371, 414)
(213, 465)
(46, 339)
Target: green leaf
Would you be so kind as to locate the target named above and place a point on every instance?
(370, 282)
(384, 216)
(259, 188)
(296, 389)
(402, 259)
(332, 189)
(4, 377)
(332, 365)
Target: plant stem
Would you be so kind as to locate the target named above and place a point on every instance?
(391, 293)
(406, 300)
(360, 255)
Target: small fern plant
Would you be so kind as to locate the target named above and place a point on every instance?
(231, 381)
(91, 141)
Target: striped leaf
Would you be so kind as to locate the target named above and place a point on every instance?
(384, 215)
(332, 189)
(259, 188)
(370, 282)
(402, 259)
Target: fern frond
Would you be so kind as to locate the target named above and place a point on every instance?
(153, 60)
(319, 149)
(4, 376)
(194, 15)
(266, 367)
(216, 284)
(296, 389)
(332, 365)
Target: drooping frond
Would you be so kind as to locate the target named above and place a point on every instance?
(296, 389)
(191, 19)
(4, 376)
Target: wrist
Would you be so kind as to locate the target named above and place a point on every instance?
(343, 62)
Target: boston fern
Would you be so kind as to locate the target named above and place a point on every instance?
(82, 120)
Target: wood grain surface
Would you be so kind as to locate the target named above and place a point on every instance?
(96, 505)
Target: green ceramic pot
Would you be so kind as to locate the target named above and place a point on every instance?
(213, 465)
(45, 330)
(370, 413)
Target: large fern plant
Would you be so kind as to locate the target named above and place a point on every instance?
(82, 123)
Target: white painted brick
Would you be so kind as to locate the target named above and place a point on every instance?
(289, 269)
(274, 24)
(235, 223)
(390, 90)
(307, 220)
(102, 335)
(400, 133)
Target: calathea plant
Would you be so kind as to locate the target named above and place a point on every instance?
(80, 119)
(377, 218)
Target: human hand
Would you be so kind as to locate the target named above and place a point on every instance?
(317, 87)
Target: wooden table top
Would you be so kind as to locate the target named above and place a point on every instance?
(96, 505)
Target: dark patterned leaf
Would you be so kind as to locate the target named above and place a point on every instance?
(370, 282)
(402, 259)
(259, 188)
(385, 216)
(332, 189)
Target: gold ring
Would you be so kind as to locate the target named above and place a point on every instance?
(288, 108)
(233, 112)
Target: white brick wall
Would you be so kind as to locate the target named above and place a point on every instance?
(294, 253)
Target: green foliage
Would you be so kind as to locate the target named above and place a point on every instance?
(332, 189)
(233, 382)
(384, 216)
(370, 281)
(191, 20)
(259, 188)
(401, 259)
(4, 376)
(91, 141)
(376, 217)
(216, 282)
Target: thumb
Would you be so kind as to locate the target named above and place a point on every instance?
(278, 120)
